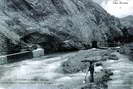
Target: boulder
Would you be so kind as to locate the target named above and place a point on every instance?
(74, 64)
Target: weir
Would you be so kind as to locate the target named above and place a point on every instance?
(21, 56)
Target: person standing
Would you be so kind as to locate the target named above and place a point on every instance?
(91, 69)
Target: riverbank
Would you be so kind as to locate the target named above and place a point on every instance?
(46, 72)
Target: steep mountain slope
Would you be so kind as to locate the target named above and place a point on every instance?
(127, 23)
(70, 24)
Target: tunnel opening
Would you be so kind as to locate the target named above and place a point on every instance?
(49, 43)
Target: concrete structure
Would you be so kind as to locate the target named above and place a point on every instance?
(38, 52)
(3, 59)
(21, 56)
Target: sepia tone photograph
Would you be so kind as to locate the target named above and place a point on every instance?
(66, 44)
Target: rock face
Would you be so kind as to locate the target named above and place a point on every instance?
(73, 23)
(127, 23)
(127, 28)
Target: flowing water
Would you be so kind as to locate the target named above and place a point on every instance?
(45, 73)
(123, 73)
(40, 73)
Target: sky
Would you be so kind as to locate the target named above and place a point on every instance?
(118, 8)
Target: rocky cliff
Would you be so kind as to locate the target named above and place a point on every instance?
(57, 25)
(127, 27)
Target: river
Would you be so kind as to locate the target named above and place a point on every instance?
(39, 73)
(123, 73)
(45, 73)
